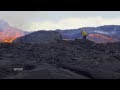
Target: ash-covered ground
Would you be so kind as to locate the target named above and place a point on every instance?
(61, 60)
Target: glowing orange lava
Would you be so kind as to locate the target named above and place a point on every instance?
(102, 38)
(10, 34)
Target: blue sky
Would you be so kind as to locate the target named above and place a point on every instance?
(51, 20)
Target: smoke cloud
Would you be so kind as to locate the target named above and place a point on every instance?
(73, 23)
(52, 20)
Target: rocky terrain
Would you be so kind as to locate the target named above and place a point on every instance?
(40, 37)
(76, 59)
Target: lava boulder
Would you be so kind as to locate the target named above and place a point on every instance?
(40, 37)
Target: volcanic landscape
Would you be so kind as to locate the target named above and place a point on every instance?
(56, 55)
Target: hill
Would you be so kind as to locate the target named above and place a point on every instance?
(40, 37)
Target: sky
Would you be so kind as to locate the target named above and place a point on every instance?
(52, 20)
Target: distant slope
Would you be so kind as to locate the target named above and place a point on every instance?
(108, 31)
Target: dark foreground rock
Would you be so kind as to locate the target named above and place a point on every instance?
(64, 60)
(93, 73)
(46, 71)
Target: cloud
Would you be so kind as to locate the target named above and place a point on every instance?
(19, 19)
(72, 23)
(33, 22)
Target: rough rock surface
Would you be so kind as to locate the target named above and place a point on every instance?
(40, 37)
(46, 71)
(64, 60)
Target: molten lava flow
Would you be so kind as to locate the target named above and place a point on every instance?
(10, 34)
(99, 38)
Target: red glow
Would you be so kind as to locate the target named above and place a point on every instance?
(10, 34)
(101, 38)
